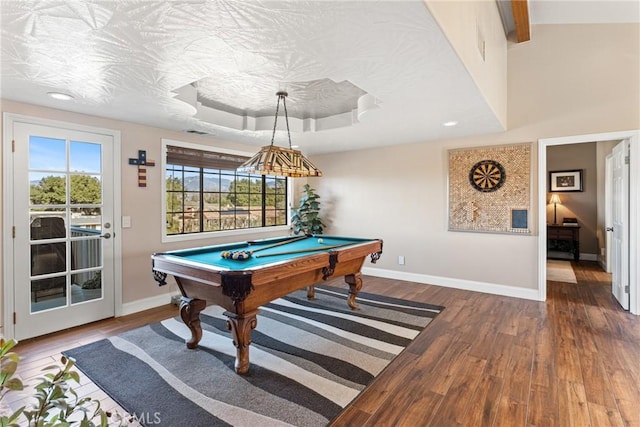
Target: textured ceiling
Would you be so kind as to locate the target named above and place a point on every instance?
(136, 60)
(358, 74)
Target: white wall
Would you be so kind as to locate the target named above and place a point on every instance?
(468, 25)
(399, 194)
(562, 82)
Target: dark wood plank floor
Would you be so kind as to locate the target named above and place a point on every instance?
(484, 361)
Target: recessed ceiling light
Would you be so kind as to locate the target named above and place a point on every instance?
(450, 123)
(60, 96)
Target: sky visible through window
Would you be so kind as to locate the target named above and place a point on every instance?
(48, 156)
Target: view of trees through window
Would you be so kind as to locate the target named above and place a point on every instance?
(52, 190)
(203, 200)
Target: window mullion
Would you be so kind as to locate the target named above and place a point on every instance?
(264, 201)
(201, 203)
(183, 195)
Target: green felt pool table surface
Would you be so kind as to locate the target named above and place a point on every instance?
(212, 255)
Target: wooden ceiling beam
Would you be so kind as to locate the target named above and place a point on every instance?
(520, 10)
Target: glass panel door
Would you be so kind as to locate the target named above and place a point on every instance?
(63, 183)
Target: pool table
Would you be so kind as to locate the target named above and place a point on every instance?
(273, 268)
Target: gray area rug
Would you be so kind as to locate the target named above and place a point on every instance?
(309, 359)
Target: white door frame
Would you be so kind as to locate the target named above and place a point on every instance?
(9, 119)
(634, 207)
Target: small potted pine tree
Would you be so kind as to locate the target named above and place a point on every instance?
(306, 217)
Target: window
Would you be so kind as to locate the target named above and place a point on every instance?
(203, 193)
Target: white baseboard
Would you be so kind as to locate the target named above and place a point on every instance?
(146, 303)
(447, 282)
(467, 285)
(569, 257)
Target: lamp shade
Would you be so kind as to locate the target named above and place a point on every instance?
(555, 199)
(279, 161)
(273, 160)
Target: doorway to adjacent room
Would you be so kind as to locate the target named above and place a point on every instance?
(627, 257)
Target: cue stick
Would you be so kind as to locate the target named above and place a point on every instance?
(298, 251)
(243, 255)
(284, 242)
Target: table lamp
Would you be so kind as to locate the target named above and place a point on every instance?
(555, 199)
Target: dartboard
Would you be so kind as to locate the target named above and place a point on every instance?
(487, 176)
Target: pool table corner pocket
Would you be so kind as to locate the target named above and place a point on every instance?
(237, 285)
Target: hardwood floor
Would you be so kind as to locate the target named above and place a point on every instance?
(485, 360)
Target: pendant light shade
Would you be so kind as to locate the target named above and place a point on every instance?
(273, 160)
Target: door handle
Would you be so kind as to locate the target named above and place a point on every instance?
(609, 229)
(106, 236)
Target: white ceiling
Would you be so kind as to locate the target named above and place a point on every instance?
(359, 74)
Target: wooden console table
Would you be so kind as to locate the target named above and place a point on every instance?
(565, 239)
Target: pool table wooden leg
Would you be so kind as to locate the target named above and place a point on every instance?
(311, 292)
(241, 326)
(355, 284)
(190, 309)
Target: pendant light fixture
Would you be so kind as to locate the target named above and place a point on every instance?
(274, 160)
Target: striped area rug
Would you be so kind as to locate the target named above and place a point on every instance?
(309, 359)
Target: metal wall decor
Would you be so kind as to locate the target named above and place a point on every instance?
(490, 189)
(142, 163)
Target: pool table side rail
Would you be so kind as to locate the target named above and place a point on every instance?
(214, 275)
(188, 269)
(243, 245)
(313, 261)
(228, 246)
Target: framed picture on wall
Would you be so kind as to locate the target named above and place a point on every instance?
(565, 181)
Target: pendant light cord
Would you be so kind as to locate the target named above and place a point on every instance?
(283, 96)
(286, 118)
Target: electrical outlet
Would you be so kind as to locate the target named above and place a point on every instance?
(401, 260)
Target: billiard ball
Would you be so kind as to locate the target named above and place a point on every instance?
(320, 241)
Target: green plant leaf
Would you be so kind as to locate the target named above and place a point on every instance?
(306, 218)
(11, 356)
(8, 369)
(14, 384)
(6, 346)
(11, 420)
(75, 376)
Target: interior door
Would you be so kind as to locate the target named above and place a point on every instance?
(63, 215)
(620, 230)
(608, 217)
